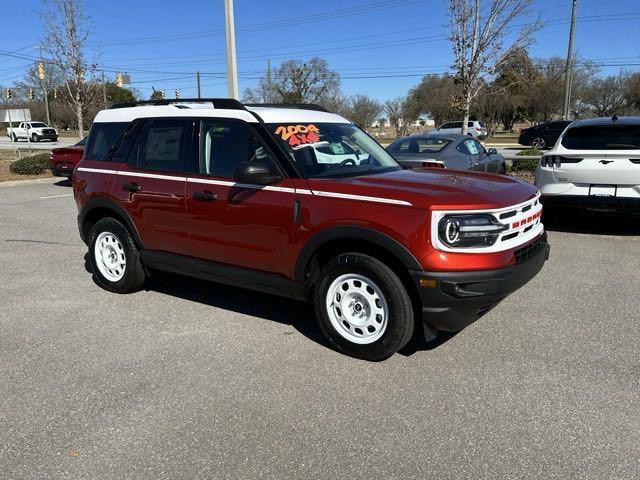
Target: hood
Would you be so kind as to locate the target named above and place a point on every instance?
(435, 189)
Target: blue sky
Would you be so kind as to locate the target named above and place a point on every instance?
(380, 47)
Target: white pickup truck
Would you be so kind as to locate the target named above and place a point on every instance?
(35, 131)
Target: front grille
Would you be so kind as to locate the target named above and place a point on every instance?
(48, 131)
(525, 253)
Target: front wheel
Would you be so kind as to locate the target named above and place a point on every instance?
(362, 307)
(114, 257)
(34, 138)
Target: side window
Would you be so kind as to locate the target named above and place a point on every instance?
(163, 146)
(472, 147)
(447, 125)
(225, 144)
(479, 147)
(470, 124)
(462, 148)
(102, 136)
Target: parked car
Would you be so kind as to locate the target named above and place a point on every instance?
(595, 166)
(451, 151)
(235, 193)
(475, 129)
(34, 131)
(63, 160)
(542, 136)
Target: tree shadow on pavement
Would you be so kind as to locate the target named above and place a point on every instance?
(591, 223)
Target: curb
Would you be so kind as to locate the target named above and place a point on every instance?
(29, 181)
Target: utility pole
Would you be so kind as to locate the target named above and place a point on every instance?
(269, 84)
(232, 68)
(41, 76)
(568, 74)
(104, 91)
(198, 83)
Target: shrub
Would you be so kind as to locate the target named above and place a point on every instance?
(529, 152)
(32, 165)
(525, 165)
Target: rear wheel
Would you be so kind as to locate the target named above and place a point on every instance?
(538, 143)
(114, 257)
(362, 307)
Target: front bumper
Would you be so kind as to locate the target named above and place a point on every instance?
(461, 298)
(592, 203)
(47, 136)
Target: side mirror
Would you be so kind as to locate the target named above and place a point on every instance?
(255, 173)
(492, 151)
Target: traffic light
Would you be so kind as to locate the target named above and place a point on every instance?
(31, 93)
(55, 93)
(177, 92)
(41, 70)
(8, 93)
(162, 94)
(119, 82)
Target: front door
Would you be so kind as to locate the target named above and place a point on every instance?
(242, 225)
(151, 185)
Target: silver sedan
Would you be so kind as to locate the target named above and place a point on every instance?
(457, 151)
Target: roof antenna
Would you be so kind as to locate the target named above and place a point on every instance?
(614, 118)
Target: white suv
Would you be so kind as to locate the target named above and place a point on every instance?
(595, 165)
(474, 128)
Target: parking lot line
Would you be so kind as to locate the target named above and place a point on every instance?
(56, 196)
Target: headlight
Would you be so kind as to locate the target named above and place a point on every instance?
(474, 230)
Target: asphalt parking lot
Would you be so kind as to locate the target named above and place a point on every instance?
(190, 379)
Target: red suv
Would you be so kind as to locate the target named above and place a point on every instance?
(297, 201)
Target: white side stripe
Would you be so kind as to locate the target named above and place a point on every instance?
(223, 183)
(364, 198)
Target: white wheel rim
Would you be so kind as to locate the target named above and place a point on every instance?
(109, 255)
(357, 308)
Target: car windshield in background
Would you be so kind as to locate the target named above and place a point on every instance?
(603, 137)
(332, 149)
(419, 145)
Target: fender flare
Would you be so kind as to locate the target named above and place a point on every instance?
(396, 249)
(108, 204)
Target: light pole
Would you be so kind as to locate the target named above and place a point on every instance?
(232, 68)
(568, 74)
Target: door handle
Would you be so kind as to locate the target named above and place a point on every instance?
(131, 187)
(204, 196)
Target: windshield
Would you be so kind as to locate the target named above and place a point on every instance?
(603, 137)
(332, 149)
(418, 145)
(38, 125)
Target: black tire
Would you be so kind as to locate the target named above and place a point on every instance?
(14, 138)
(34, 138)
(134, 275)
(400, 324)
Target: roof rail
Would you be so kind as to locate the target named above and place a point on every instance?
(301, 106)
(221, 103)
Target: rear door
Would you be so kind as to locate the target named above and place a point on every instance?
(151, 185)
(239, 224)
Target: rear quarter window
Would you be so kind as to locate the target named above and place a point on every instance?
(602, 137)
(101, 137)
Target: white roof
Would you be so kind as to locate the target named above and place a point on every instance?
(296, 115)
(268, 114)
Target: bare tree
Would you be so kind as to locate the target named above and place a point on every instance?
(298, 82)
(66, 30)
(433, 95)
(363, 111)
(400, 115)
(478, 29)
(606, 96)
